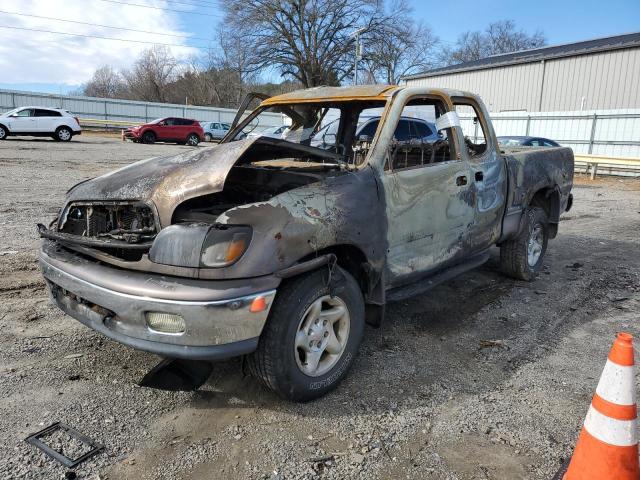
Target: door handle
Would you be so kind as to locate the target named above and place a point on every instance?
(479, 176)
(461, 180)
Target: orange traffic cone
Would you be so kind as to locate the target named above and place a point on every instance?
(607, 448)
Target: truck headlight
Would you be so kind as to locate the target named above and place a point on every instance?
(224, 245)
(198, 245)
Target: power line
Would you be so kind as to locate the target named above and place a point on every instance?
(199, 3)
(104, 38)
(103, 26)
(161, 8)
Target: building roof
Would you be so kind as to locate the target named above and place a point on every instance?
(338, 94)
(604, 44)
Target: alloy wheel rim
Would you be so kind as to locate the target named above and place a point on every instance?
(64, 134)
(322, 336)
(1, 133)
(193, 141)
(534, 245)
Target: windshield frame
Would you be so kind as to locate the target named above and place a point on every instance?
(321, 103)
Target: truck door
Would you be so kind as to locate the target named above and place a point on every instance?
(429, 199)
(488, 173)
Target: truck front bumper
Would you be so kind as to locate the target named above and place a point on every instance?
(220, 318)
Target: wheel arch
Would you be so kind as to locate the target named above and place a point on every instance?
(370, 279)
(548, 198)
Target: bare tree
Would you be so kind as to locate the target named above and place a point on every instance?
(306, 40)
(152, 74)
(105, 83)
(498, 37)
(399, 46)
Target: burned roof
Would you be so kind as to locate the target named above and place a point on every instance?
(338, 94)
(604, 44)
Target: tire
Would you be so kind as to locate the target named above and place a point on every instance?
(148, 137)
(4, 133)
(281, 360)
(208, 137)
(63, 134)
(193, 140)
(522, 256)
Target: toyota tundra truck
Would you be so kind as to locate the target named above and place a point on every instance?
(281, 249)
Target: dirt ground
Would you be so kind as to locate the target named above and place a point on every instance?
(427, 397)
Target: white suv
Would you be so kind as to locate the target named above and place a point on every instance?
(39, 122)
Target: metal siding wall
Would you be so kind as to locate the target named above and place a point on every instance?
(607, 80)
(507, 88)
(123, 110)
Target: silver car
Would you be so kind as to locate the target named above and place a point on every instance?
(214, 130)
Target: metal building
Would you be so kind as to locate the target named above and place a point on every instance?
(595, 74)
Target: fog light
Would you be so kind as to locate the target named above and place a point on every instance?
(165, 322)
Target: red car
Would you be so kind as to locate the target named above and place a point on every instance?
(171, 129)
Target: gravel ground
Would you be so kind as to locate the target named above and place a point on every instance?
(483, 377)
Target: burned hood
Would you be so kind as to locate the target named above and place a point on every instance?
(165, 181)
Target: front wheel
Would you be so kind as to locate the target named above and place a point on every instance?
(3, 133)
(311, 338)
(193, 140)
(522, 256)
(63, 134)
(208, 137)
(148, 137)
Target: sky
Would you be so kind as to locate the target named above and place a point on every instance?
(50, 62)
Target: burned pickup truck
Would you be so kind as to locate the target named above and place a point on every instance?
(281, 249)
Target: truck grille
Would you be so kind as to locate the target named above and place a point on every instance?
(131, 223)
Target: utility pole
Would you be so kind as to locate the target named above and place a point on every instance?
(359, 50)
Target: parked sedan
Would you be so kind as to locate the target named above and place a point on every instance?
(408, 128)
(57, 123)
(179, 130)
(214, 130)
(526, 141)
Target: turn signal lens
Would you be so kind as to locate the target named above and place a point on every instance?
(258, 305)
(165, 322)
(224, 246)
(236, 248)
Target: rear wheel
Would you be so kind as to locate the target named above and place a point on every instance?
(311, 338)
(148, 137)
(193, 140)
(63, 134)
(522, 256)
(3, 133)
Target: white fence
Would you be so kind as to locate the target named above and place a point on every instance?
(599, 132)
(121, 110)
